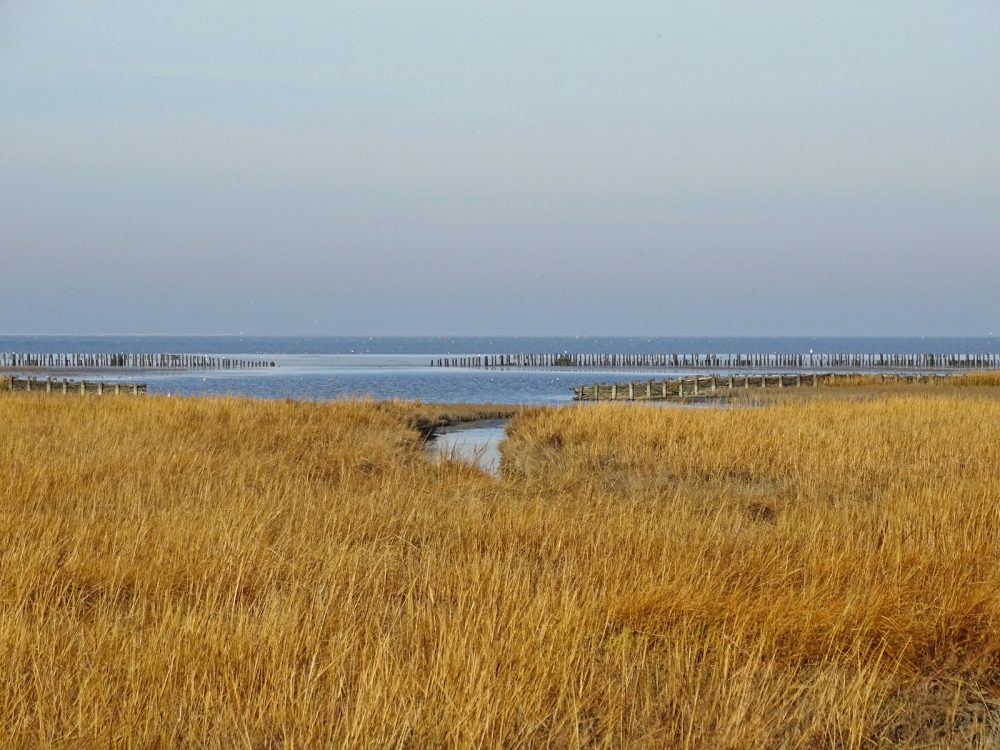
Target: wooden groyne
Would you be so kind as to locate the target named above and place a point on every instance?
(126, 360)
(707, 386)
(68, 387)
(761, 361)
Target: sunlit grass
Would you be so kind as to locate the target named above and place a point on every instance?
(222, 572)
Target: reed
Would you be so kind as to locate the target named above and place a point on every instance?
(227, 572)
(982, 379)
(985, 378)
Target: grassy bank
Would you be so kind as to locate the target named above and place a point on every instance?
(426, 417)
(975, 385)
(211, 572)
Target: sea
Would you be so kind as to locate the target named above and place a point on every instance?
(394, 367)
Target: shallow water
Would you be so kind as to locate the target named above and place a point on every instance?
(398, 367)
(478, 444)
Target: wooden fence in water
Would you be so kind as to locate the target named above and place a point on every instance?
(778, 360)
(68, 387)
(709, 386)
(126, 360)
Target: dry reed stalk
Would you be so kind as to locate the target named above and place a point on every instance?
(223, 572)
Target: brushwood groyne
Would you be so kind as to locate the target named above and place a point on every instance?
(774, 360)
(126, 360)
(70, 387)
(708, 386)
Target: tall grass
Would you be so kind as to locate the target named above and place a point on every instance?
(976, 385)
(181, 572)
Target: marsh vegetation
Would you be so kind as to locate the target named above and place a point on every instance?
(820, 571)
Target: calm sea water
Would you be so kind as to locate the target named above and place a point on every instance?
(317, 367)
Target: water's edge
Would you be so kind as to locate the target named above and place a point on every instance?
(476, 442)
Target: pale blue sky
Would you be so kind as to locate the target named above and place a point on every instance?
(435, 167)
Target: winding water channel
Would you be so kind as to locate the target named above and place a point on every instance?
(477, 443)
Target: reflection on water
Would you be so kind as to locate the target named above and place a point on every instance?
(323, 382)
(394, 367)
(477, 444)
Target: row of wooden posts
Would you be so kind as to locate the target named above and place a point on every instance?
(64, 386)
(775, 360)
(134, 360)
(701, 386)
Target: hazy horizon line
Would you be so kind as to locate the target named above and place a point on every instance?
(510, 335)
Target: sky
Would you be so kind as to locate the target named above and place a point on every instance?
(441, 167)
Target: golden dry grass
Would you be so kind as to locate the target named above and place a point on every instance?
(984, 378)
(867, 386)
(231, 573)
